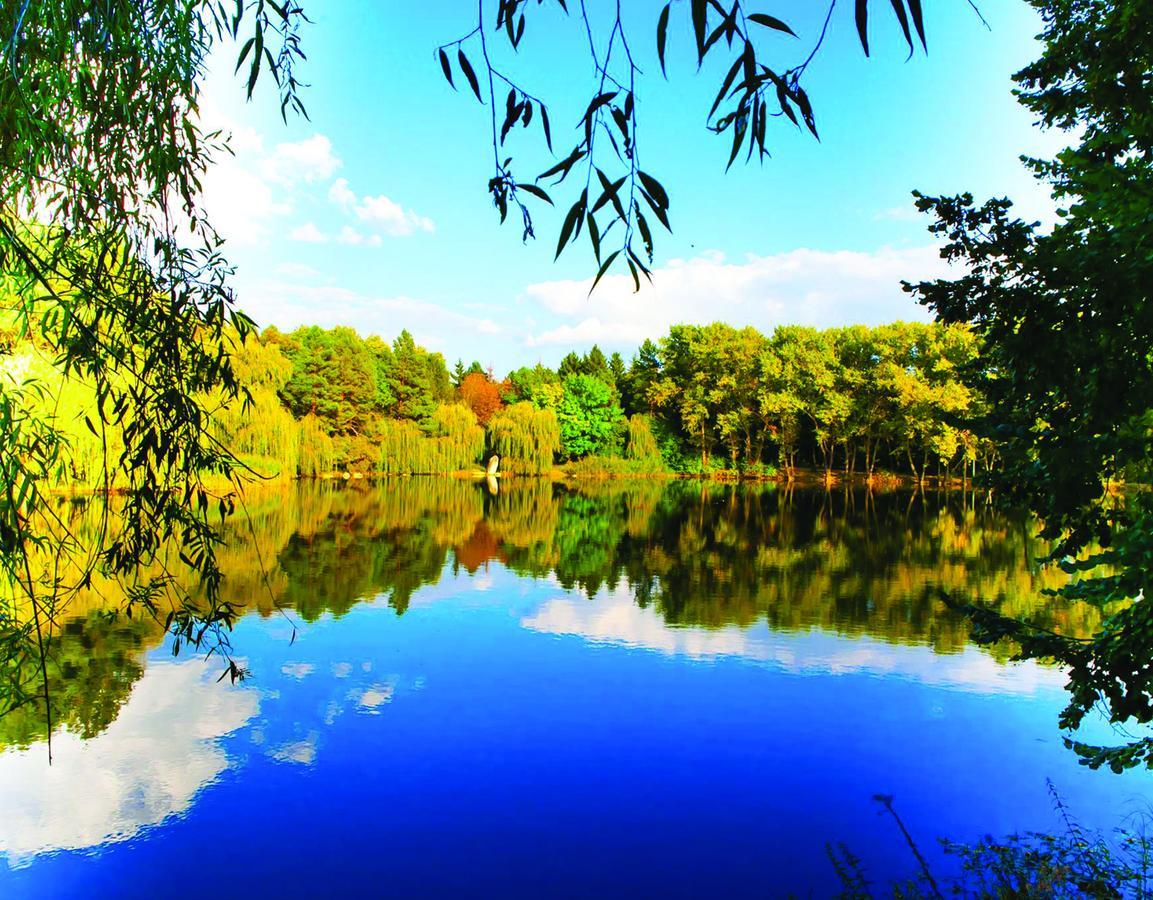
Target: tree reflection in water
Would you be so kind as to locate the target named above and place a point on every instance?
(706, 555)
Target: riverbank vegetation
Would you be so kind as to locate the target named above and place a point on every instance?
(712, 400)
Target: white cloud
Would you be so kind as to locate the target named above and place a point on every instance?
(390, 217)
(812, 287)
(380, 213)
(904, 213)
(307, 161)
(373, 697)
(308, 233)
(248, 191)
(301, 752)
(240, 203)
(296, 270)
(349, 235)
(251, 192)
(147, 765)
(291, 303)
(341, 194)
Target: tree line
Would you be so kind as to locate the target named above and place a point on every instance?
(701, 400)
(704, 399)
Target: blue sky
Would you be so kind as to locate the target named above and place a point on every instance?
(375, 213)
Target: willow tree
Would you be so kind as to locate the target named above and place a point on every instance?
(109, 263)
(640, 443)
(452, 441)
(525, 437)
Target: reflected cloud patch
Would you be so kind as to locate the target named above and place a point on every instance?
(300, 752)
(148, 765)
(372, 698)
(614, 618)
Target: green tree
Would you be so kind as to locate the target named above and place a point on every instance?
(644, 369)
(779, 405)
(1067, 324)
(588, 416)
(572, 364)
(458, 373)
(333, 378)
(595, 364)
(812, 374)
(525, 384)
(617, 370)
(416, 380)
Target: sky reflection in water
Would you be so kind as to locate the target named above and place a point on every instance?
(614, 690)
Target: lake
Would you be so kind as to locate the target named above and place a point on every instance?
(623, 688)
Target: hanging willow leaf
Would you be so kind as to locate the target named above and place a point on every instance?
(700, 11)
(918, 21)
(466, 67)
(771, 22)
(662, 37)
(605, 266)
(863, 24)
(572, 223)
(903, 19)
(545, 126)
(446, 67)
(655, 189)
(536, 192)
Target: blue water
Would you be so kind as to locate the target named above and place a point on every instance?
(507, 737)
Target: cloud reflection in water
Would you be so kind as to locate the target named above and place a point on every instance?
(614, 618)
(149, 764)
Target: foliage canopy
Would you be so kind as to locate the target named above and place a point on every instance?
(1067, 322)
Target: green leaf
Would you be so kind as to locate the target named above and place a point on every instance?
(771, 22)
(594, 235)
(655, 189)
(243, 54)
(604, 268)
(575, 213)
(903, 19)
(863, 24)
(662, 37)
(727, 83)
(545, 125)
(536, 192)
(466, 67)
(446, 67)
(700, 11)
(918, 21)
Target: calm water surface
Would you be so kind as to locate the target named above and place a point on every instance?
(623, 689)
